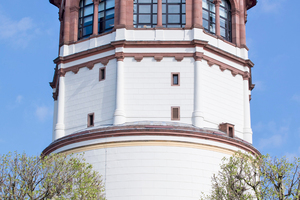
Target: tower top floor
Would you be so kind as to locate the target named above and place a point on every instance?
(223, 19)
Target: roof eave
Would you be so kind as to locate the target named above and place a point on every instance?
(55, 2)
(251, 3)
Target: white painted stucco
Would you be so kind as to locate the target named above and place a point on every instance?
(152, 35)
(166, 170)
(147, 94)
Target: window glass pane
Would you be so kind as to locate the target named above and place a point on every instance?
(174, 1)
(87, 30)
(88, 10)
(154, 8)
(205, 24)
(110, 4)
(145, 9)
(145, 1)
(223, 12)
(212, 18)
(205, 14)
(145, 19)
(81, 3)
(109, 24)
(110, 13)
(212, 7)
(87, 2)
(81, 13)
(212, 28)
(205, 4)
(88, 21)
(175, 79)
(80, 22)
(222, 22)
(223, 3)
(101, 6)
(134, 8)
(134, 19)
(223, 32)
(101, 15)
(174, 9)
(154, 1)
(173, 18)
(183, 8)
(183, 19)
(164, 1)
(164, 21)
(154, 18)
(164, 8)
(174, 26)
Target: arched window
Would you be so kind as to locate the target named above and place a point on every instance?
(173, 13)
(209, 16)
(225, 20)
(145, 13)
(85, 23)
(106, 15)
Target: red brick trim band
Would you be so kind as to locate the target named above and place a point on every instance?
(143, 130)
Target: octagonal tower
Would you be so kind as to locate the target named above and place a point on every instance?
(155, 92)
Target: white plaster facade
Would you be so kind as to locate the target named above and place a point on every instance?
(154, 167)
(134, 91)
(146, 94)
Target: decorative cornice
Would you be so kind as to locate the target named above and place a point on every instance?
(198, 56)
(144, 130)
(119, 56)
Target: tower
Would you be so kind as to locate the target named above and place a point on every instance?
(154, 92)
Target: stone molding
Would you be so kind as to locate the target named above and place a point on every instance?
(154, 44)
(144, 130)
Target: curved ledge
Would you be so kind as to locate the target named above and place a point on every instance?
(149, 130)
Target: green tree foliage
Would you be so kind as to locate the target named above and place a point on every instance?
(58, 176)
(248, 177)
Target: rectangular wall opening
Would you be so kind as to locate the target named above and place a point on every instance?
(90, 120)
(102, 74)
(175, 79)
(175, 113)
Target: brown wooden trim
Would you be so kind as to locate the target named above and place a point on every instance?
(143, 130)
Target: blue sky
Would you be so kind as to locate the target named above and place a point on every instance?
(29, 43)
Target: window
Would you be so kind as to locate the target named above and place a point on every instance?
(90, 120)
(145, 13)
(227, 128)
(225, 20)
(86, 15)
(175, 113)
(209, 16)
(175, 77)
(102, 74)
(173, 13)
(106, 15)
